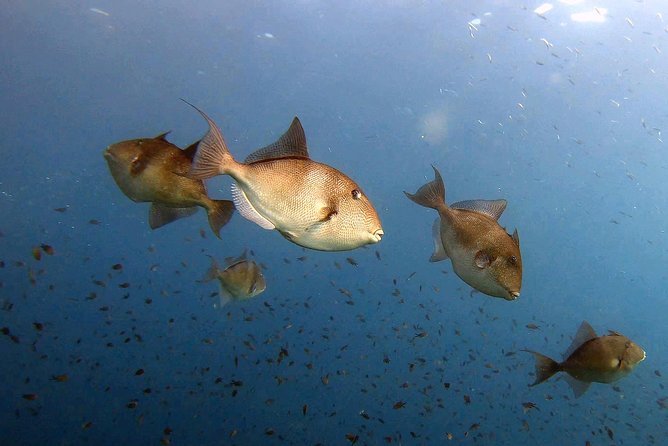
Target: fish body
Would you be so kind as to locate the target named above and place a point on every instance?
(482, 253)
(241, 279)
(279, 187)
(591, 358)
(155, 170)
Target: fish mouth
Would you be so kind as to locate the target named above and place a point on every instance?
(377, 235)
(108, 154)
(513, 295)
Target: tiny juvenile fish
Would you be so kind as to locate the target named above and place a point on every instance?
(279, 187)
(155, 170)
(591, 358)
(241, 279)
(483, 254)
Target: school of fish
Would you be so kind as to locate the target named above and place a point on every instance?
(279, 187)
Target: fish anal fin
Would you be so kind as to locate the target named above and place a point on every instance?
(439, 251)
(159, 215)
(225, 296)
(291, 144)
(247, 210)
(491, 208)
(579, 387)
(584, 334)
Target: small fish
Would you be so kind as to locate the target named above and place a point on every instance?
(60, 378)
(279, 187)
(591, 358)
(241, 279)
(483, 255)
(155, 170)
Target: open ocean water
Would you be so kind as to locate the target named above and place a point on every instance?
(108, 337)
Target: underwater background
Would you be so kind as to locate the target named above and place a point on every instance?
(559, 112)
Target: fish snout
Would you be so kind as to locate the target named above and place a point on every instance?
(513, 295)
(377, 235)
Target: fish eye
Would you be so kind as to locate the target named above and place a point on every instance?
(356, 194)
(513, 260)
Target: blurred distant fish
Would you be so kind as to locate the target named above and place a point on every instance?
(483, 254)
(241, 279)
(280, 187)
(154, 170)
(591, 358)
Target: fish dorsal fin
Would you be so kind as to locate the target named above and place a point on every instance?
(490, 208)
(291, 144)
(516, 237)
(439, 251)
(191, 150)
(584, 334)
(163, 136)
(579, 387)
(614, 333)
(247, 210)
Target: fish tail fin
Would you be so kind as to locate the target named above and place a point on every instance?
(219, 212)
(212, 272)
(545, 367)
(432, 194)
(212, 157)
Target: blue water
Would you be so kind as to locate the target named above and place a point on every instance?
(568, 129)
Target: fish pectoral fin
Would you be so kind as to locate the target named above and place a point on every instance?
(490, 208)
(579, 387)
(160, 215)
(482, 260)
(439, 251)
(247, 210)
(328, 213)
(138, 164)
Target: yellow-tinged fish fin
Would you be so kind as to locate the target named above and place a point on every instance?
(139, 163)
(545, 367)
(160, 215)
(432, 194)
(191, 150)
(584, 334)
(163, 136)
(247, 210)
(579, 387)
(439, 251)
(219, 214)
(212, 157)
(490, 208)
(291, 144)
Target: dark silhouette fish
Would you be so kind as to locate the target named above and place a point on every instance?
(154, 170)
(483, 254)
(591, 358)
(280, 187)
